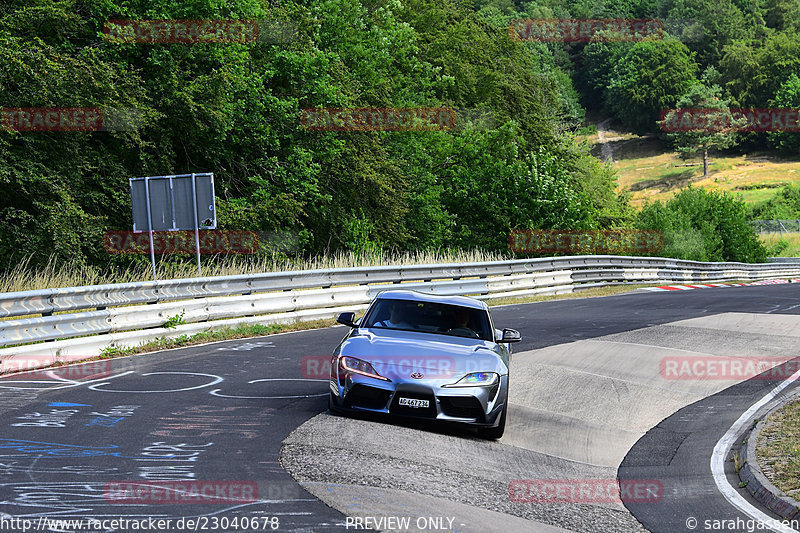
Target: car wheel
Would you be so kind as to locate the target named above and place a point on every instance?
(496, 432)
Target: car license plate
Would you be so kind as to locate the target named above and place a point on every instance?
(411, 402)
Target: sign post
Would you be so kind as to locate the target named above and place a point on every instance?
(149, 224)
(173, 203)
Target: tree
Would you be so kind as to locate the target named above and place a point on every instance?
(235, 108)
(788, 97)
(648, 79)
(752, 72)
(711, 25)
(712, 126)
(783, 14)
(784, 205)
(491, 186)
(594, 73)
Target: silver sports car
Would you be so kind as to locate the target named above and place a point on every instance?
(424, 356)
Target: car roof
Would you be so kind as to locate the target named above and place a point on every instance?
(416, 296)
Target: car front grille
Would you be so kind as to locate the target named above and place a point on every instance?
(367, 397)
(461, 407)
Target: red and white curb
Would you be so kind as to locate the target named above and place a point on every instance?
(708, 285)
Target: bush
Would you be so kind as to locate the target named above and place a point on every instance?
(704, 225)
(784, 205)
(685, 243)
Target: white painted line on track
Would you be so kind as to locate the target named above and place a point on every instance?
(721, 451)
(70, 383)
(216, 392)
(215, 379)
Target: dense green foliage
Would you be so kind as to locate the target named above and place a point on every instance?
(646, 80)
(788, 97)
(704, 226)
(752, 47)
(235, 109)
(783, 206)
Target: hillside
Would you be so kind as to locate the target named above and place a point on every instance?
(651, 171)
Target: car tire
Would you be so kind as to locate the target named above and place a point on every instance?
(496, 432)
(332, 408)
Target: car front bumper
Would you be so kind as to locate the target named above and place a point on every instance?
(478, 406)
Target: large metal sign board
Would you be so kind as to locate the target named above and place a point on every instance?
(172, 202)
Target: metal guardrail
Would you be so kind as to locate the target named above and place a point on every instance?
(82, 321)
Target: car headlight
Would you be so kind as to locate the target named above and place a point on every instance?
(476, 379)
(357, 366)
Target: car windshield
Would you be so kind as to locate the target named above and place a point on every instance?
(429, 317)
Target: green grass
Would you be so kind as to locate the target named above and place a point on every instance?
(223, 334)
(758, 196)
(258, 330)
(660, 176)
(791, 240)
(587, 293)
(778, 449)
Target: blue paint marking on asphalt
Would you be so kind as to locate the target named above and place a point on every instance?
(56, 449)
(67, 404)
(105, 422)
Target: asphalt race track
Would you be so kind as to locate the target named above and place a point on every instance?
(208, 413)
(210, 434)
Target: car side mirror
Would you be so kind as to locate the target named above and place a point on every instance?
(348, 319)
(510, 335)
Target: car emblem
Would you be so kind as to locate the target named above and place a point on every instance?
(417, 375)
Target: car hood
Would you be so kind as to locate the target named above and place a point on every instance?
(396, 353)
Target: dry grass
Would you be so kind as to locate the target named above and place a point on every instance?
(778, 449)
(652, 172)
(22, 277)
(770, 240)
(659, 177)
